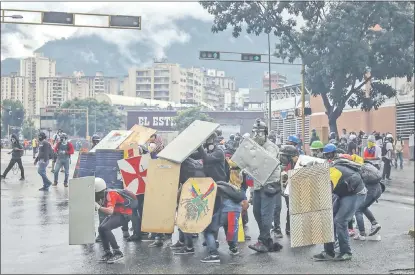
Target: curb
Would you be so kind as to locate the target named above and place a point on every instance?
(411, 233)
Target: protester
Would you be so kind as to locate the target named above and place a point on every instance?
(295, 141)
(17, 153)
(373, 152)
(42, 159)
(314, 136)
(349, 192)
(118, 211)
(387, 149)
(95, 140)
(316, 148)
(63, 150)
(56, 138)
(26, 145)
(230, 145)
(342, 147)
(265, 196)
(278, 139)
(34, 147)
(352, 145)
(344, 134)
(399, 144)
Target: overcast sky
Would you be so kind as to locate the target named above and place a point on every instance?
(156, 30)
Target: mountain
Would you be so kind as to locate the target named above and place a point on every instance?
(91, 54)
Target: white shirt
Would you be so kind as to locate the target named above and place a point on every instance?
(389, 149)
(278, 139)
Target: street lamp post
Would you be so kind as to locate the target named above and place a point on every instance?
(269, 84)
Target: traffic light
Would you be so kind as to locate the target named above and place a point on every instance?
(125, 21)
(209, 55)
(298, 112)
(251, 57)
(307, 111)
(59, 18)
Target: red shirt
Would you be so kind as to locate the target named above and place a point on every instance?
(116, 201)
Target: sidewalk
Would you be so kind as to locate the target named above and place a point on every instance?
(402, 183)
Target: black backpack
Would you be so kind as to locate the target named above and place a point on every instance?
(130, 199)
(384, 151)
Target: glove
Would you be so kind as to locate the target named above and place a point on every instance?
(97, 206)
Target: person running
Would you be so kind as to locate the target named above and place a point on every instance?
(118, 212)
(17, 152)
(34, 147)
(42, 160)
(350, 193)
(63, 149)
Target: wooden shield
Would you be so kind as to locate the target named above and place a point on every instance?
(140, 136)
(160, 201)
(113, 140)
(196, 204)
(134, 173)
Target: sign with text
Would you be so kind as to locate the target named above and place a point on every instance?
(156, 121)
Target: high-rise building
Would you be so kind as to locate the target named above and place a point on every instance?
(219, 89)
(34, 68)
(53, 91)
(88, 86)
(277, 80)
(15, 87)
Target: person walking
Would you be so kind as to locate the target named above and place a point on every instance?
(63, 150)
(34, 147)
(17, 152)
(399, 152)
(42, 160)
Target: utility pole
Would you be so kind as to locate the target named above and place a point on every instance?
(269, 83)
(302, 102)
(95, 123)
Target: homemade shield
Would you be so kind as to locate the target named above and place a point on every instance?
(113, 140)
(82, 211)
(160, 200)
(86, 164)
(134, 173)
(140, 135)
(188, 141)
(78, 163)
(107, 167)
(255, 160)
(196, 204)
(311, 207)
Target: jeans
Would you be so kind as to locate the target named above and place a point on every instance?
(41, 170)
(102, 217)
(399, 156)
(137, 215)
(186, 238)
(277, 213)
(347, 208)
(34, 152)
(11, 164)
(386, 168)
(105, 230)
(59, 163)
(263, 208)
(373, 193)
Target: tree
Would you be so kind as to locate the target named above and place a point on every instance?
(186, 117)
(13, 115)
(107, 117)
(29, 129)
(336, 44)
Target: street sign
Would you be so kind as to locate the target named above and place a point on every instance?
(61, 18)
(251, 57)
(209, 55)
(133, 22)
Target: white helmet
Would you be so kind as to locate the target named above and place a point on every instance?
(100, 185)
(151, 147)
(371, 138)
(246, 135)
(352, 137)
(389, 136)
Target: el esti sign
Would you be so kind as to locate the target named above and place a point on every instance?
(156, 121)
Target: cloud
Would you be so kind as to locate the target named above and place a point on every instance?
(158, 28)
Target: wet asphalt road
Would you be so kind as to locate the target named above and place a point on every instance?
(34, 239)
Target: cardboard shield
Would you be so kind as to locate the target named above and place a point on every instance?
(311, 207)
(78, 163)
(196, 204)
(134, 173)
(255, 160)
(188, 141)
(140, 135)
(113, 140)
(82, 211)
(160, 201)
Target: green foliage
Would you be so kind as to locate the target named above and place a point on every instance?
(335, 44)
(28, 129)
(107, 117)
(186, 117)
(13, 114)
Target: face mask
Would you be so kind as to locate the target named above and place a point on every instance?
(210, 147)
(259, 137)
(370, 144)
(13, 140)
(285, 160)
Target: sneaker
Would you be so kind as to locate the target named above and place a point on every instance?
(359, 237)
(259, 247)
(22, 178)
(177, 245)
(98, 239)
(211, 259)
(277, 233)
(351, 232)
(54, 184)
(43, 189)
(134, 238)
(117, 256)
(343, 257)
(156, 243)
(374, 229)
(107, 255)
(388, 178)
(324, 256)
(233, 251)
(125, 234)
(184, 251)
(65, 184)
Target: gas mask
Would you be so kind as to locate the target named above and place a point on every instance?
(13, 140)
(210, 144)
(63, 140)
(285, 160)
(259, 137)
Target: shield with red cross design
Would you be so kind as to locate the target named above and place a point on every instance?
(134, 173)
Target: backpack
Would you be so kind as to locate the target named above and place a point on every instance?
(384, 151)
(130, 199)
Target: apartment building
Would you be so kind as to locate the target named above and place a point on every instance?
(220, 89)
(16, 87)
(88, 86)
(192, 82)
(277, 80)
(54, 91)
(34, 68)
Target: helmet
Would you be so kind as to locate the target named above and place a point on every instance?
(317, 144)
(151, 147)
(42, 136)
(289, 150)
(232, 137)
(95, 137)
(352, 137)
(329, 148)
(14, 136)
(64, 136)
(371, 138)
(246, 135)
(100, 185)
(260, 126)
(389, 136)
(293, 139)
(218, 132)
